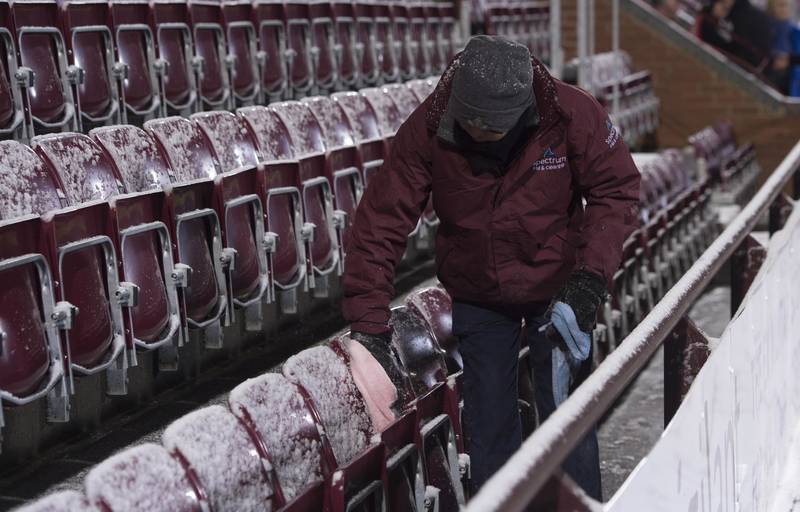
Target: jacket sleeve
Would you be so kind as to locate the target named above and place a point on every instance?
(388, 212)
(608, 181)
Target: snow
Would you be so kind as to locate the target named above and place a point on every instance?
(271, 134)
(143, 478)
(185, 147)
(404, 98)
(84, 171)
(20, 172)
(303, 128)
(64, 501)
(359, 112)
(229, 138)
(286, 427)
(331, 117)
(389, 118)
(220, 451)
(136, 155)
(327, 379)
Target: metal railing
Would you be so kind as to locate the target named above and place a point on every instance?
(537, 463)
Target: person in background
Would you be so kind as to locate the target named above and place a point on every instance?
(783, 56)
(536, 192)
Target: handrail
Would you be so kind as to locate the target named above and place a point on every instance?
(517, 483)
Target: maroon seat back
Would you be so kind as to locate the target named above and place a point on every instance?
(436, 308)
(10, 101)
(404, 99)
(369, 69)
(278, 412)
(230, 139)
(26, 188)
(389, 116)
(345, 27)
(323, 38)
(220, 454)
(90, 44)
(209, 39)
(135, 46)
(145, 477)
(41, 48)
(242, 40)
(269, 18)
(170, 25)
(297, 17)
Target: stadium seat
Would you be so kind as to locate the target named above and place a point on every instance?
(417, 348)
(135, 44)
(347, 61)
(301, 52)
(218, 452)
(234, 205)
(434, 40)
(344, 166)
(144, 478)
(420, 45)
(27, 301)
(436, 308)
(283, 203)
(62, 501)
(389, 116)
(170, 22)
(51, 96)
(269, 15)
(246, 60)
(404, 99)
(406, 62)
(326, 377)
(308, 147)
(387, 47)
(276, 411)
(405, 476)
(367, 47)
(90, 46)
(141, 244)
(324, 47)
(422, 88)
(210, 48)
(83, 258)
(450, 40)
(362, 119)
(12, 118)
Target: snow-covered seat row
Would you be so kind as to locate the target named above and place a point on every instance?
(145, 239)
(75, 65)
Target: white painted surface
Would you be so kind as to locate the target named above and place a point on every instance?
(727, 448)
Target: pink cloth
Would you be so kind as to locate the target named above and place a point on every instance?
(375, 386)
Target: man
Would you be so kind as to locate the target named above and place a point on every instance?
(510, 155)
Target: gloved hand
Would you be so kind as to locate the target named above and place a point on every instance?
(573, 312)
(380, 347)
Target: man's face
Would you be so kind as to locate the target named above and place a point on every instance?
(481, 135)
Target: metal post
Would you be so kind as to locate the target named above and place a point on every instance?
(582, 44)
(556, 53)
(615, 49)
(745, 263)
(685, 352)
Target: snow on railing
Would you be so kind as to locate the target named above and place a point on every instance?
(537, 463)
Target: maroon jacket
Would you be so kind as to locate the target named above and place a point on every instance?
(501, 241)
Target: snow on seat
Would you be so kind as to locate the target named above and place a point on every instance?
(136, 157)
(26, 185)
(366, 132)
(389, 116)
(327, 378)
(233, 145)
(423, 87)
(404, 98)
(436, 307)
(276, 411)
(218, 449)
(64, 501)
(144, 478)
(187, 149)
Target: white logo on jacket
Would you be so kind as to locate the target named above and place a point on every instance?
(549, 162)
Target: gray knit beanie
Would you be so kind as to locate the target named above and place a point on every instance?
(492, 84)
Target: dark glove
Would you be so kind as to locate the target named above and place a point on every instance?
(380, 347)
(584, 292)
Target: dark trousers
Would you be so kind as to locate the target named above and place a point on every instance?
(489, 342)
